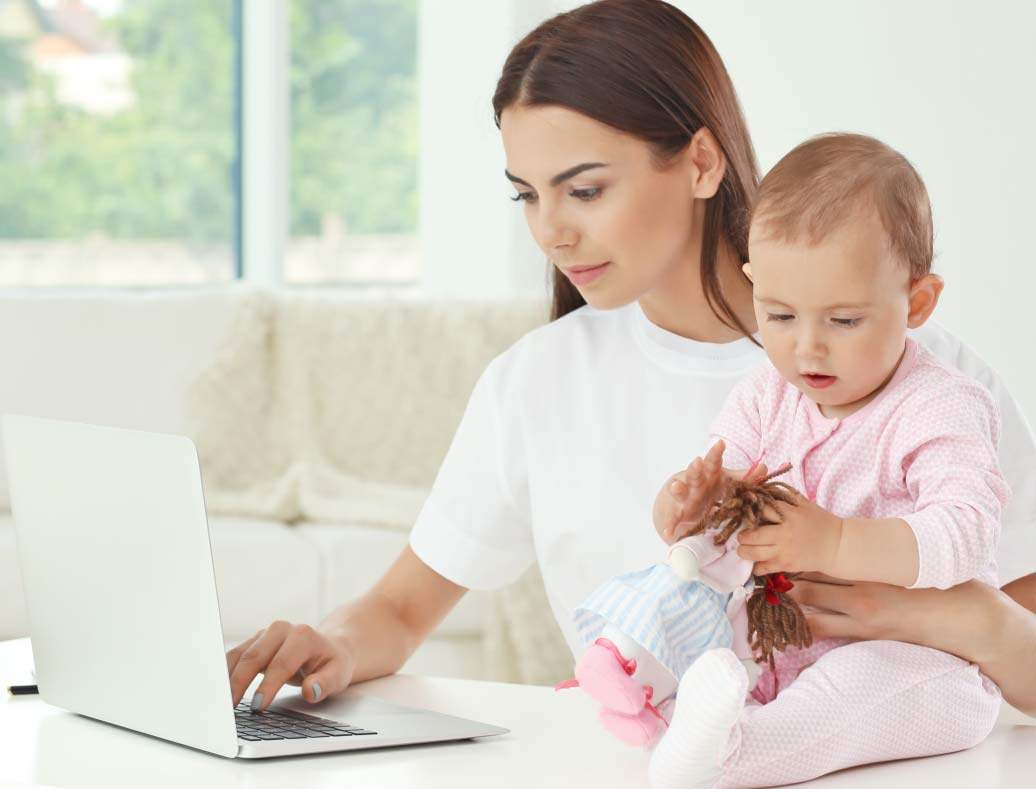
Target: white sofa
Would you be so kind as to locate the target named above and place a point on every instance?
(128, 359)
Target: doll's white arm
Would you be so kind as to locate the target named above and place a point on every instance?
(688, 556)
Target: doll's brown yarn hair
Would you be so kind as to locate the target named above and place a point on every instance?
(775, 620)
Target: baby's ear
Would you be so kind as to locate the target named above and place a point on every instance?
(747, 268)
(924, 295)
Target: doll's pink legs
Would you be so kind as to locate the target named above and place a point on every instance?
(642, 729)
(607, 676)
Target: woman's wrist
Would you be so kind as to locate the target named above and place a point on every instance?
(966, 620)
(973, 627)
(1005, 655)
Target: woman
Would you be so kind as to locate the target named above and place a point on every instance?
(633, 165)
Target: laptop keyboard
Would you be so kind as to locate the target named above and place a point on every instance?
(289, 725)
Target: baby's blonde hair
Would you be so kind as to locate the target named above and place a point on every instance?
(826, 180)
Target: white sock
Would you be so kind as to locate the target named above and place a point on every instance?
(708, 704)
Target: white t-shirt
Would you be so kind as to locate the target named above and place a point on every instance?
(570, 433)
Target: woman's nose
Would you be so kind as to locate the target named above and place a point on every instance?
(554, 232)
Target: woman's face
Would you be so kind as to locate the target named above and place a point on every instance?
(598, 208)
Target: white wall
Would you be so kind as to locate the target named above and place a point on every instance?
(474, 240)
(948, 83)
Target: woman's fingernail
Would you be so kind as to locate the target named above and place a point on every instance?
(257, 701)
(316, 691)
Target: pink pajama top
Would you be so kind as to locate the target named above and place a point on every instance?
(924, 450)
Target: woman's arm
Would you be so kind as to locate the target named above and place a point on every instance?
(991, 627)
(369, 637)
(1023, 591)
(1010, 658)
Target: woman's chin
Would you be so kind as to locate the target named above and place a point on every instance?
(605, 299)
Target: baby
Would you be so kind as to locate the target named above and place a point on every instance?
(895, 456)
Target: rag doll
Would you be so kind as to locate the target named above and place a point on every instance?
(645, 628)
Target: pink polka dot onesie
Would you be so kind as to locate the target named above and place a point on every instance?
(924, 450)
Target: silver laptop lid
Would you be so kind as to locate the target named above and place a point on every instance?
(116, 562)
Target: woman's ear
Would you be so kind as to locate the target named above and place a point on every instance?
(924, 295)
(707, 163)
(747, 269)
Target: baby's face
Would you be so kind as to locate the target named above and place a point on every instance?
(832, 316)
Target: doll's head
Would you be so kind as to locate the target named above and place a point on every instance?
(840, 251)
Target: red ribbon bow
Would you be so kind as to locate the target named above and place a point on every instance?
(775, 585)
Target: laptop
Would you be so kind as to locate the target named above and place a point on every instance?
(116, 563)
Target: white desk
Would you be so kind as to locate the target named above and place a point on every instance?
(555, 742)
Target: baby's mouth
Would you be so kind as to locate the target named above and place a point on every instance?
(818, 381)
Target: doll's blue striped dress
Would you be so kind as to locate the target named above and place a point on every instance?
(674, 619)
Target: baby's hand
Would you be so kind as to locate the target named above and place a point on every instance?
(686, 496)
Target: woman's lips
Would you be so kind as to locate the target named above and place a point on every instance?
(819, 381)
(581, 275)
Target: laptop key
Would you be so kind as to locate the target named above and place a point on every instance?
(270, 736)
(293, 735)
(335, 733)
(246, 737)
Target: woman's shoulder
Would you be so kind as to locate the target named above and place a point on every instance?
(940, 344)
(946, 366)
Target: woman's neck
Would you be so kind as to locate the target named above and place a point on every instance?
(678, 303)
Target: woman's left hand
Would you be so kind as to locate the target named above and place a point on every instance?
(805, 539)
(960, 620)
(835, 608)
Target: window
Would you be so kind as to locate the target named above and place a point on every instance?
(354, 142)
(117, 142)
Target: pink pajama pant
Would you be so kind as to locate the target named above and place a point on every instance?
(857, 703)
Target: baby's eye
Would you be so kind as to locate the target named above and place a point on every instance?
(586, 195)
(774, 316)
(847, 322)
(525, 197)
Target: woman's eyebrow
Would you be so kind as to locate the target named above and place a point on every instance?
(561, 177)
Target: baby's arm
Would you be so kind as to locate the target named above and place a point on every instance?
(882, 550)
(949, 461)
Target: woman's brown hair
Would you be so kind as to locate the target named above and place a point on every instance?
(645, 68)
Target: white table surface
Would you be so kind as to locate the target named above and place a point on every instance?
(555, 741)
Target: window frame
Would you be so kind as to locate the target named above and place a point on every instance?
(263, 143)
